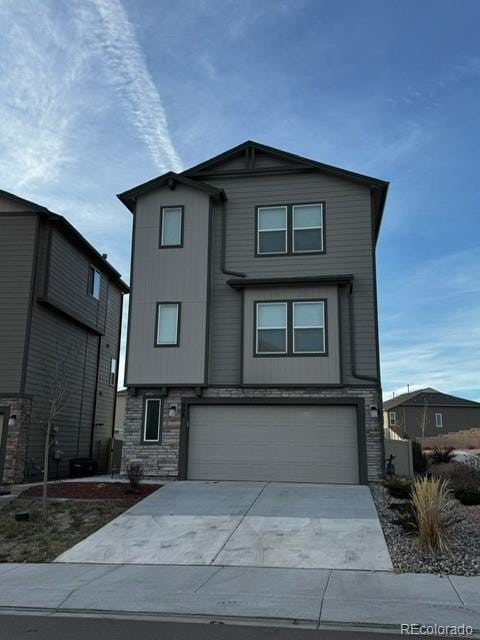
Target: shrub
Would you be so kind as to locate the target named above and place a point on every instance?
(135, 474)
(468, 496)
(420, 460)
(442, 454)
(465, 475)
(399, 487)
(431, 503)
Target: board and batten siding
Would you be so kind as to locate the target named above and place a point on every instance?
(348, 247)
(169, 275)
(17, 253)
(292, 369)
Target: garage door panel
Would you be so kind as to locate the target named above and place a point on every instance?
(288, 443)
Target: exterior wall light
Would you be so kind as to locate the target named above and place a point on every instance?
(373, 411)
(12, 420)
(172, 412)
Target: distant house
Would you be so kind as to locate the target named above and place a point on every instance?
(441, 412)
(60, 319)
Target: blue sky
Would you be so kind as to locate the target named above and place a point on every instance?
(100, 95)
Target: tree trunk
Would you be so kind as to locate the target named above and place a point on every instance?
(46, 458)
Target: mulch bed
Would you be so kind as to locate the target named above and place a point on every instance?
(93, 491)
(463, 524)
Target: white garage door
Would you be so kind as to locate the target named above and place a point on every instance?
(283, 443)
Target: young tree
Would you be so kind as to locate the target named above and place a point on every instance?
(422, 423)
(57, 380)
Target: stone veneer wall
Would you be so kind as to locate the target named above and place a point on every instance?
(162, 460)
(16, 447)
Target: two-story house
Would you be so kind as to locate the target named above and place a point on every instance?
(60, 320)
(252, 342)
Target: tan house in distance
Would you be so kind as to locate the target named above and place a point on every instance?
(441, 412)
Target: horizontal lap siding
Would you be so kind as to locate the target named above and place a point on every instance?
(68, 278)
(17, 249)
(348, 251)
(56, 339)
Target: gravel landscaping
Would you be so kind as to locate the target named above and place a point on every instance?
(463, 557)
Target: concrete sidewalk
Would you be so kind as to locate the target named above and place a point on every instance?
(310, 596)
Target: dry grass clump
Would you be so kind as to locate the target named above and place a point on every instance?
(431, 503)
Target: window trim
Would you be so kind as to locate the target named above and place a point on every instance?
(91, 281)
(439, 426)
(271, 353)
(157, 318)
(290, 353)
(392, 423)
(289, 241)
(114, 382)
(182, 216)
(258, 231)
(313, 353)
(160, 421)
(308, 251)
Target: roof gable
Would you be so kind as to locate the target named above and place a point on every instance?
(429, 396)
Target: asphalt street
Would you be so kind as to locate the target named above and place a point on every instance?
(32, 627)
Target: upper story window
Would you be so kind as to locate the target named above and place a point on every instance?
(113, 372)
(290, 328)
(168, 324)
(308, 327)
(272, 230)
(393, 418)
(290, 229)
(271, 327)
(94, 282)
(439, 420)
(171, 227)
(307, 228)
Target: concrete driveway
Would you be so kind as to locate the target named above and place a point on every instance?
(254, 524)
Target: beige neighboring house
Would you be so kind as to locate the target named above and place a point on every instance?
(121, 405)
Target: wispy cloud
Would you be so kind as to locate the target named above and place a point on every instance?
(433, 337)
(128, 72)
(39, 68)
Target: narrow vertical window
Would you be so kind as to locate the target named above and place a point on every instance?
(171, 227)
(271, 323)
(307, 228)
(113, 372)
(393, 418)
(308, 327)
(438, 420)
(271, 230)
(94, 282)
(151, 427)
(168, 324)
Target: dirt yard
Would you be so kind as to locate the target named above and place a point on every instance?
(85, 508)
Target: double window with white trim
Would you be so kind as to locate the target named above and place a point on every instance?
(290, 327)
(287, 229)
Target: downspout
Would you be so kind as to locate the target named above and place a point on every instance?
(352, 342)
(223, 259)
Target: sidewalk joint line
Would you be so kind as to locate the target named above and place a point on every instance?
(323, 597)
(241, 520)
(455, 589)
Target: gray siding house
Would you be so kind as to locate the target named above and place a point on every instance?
(252, 343)
(440, 412)
(60, 316)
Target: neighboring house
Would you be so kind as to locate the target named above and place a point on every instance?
(439, 412)
(121, 404)
(252, 342)
(60, 319)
